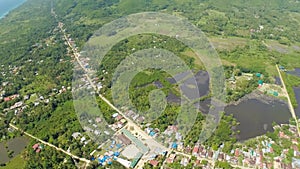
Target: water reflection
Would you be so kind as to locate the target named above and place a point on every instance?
(256, 116)
(297, 94)
(16, 145)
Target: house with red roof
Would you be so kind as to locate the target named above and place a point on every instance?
(171, 158)
(154, 163)
(35, 146)
(237, 153)
(6, 99)
(195, 150)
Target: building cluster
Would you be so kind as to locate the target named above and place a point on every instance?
(124, 148)
(38, 147)
(128, 150)
(20, 103)
(134, 116)
(259, 157)
(119, 122)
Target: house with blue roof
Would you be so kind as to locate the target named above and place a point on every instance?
(116, 154)
(152, 133)
(174, 145)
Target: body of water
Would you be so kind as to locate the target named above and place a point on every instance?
(278, 81)
(8, 5)
(3, 154)
(256, 116)
(191, 86)
(16, 144)
(296, 72)
(297, 94)
(255, 113)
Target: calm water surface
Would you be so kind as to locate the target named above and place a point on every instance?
(17, 145)
(8, 5)
(3, 154)
(295, 72)
(256, 117)
(297, 94)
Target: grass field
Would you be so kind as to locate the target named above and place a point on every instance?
(15, 163)
(227, 43)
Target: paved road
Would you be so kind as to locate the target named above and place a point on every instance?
(146, 138)
(51, 145)
(289, 100)
(137, 129)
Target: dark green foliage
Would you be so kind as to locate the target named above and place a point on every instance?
(29, 33)
(224, 165)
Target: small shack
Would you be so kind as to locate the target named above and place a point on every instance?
(258, 75)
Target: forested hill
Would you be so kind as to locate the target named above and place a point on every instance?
(227, 18)
(25, 34)
(32, 22)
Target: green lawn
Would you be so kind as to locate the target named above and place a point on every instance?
(227, 43)
(15, 163)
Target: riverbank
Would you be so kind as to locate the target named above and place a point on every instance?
(267, 99)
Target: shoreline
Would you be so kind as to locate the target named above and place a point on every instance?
(259, 96)
(4, 15)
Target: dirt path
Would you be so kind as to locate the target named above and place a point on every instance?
(51, 145)
(289, 100)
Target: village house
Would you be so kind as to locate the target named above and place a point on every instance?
(154, 163)
(12, 97)
(195, 150)
(180, 146)
(82, 139)
(118, 117)
(171, 158)
(76, 135)
(210, 154)
(140, 119)
(184, 161)
(37, 147)
(221, 157)
(98, 120)
(236, 152)
(16, 105)
(282, 135)
(203, 153)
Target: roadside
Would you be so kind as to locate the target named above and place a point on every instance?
(51, 145)
(289, 100)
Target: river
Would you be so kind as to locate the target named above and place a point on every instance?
(8, 5)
